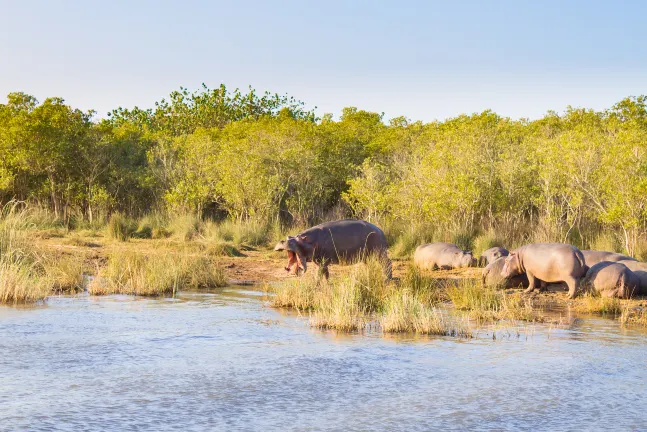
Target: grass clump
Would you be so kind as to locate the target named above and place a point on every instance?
(426, 288)
(489, 304)
(153, 226)
(186, 227)
(485, 241)
(464, 240)
(405, 312)
(137, 274)
(64, 272)
(592, 302)
(405, 244)
(120, 227)
(249, 233)
(298, 293)
(634, 316)
(20, 283)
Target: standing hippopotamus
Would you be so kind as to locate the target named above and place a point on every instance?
(549, 262)
(343, 241)
(612, 279)
(592, 257)
(445, 256)
(640, 270)
(492, 276)
(492, 254)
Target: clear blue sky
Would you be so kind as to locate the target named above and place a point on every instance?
(425, 60)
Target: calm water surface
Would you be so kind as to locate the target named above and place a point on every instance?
(225, 361)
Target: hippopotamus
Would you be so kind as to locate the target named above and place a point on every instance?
(612, 279)
(640, 270)
(342, 241)
(492, 254)
(592, 257)
(445, 256)
(492, 276)
(549, 262)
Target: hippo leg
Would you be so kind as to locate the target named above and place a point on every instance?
(531, 282)
(573, 287)
(542, 286)
(387, 266)
(323, 270)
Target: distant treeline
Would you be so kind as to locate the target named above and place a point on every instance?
(264, 157)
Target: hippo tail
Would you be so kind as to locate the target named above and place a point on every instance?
(580, 258)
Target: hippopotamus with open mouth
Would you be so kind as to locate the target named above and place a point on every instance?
(339, 242)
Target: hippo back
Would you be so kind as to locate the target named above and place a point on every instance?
(612, 279)
(490, 255)
(640, 270)
(346, 239)
(592, 257)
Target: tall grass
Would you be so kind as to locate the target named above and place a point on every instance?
(120, 227)
(247, 233)
(633, 315)
(485, 241)
(153, 226)
(405, 312)
(489, 304)
(21, 275)
(160, 274)
(592, 302)
(427, 289)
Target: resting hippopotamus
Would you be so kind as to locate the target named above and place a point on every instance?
(492, 254)
(445, 256)
(612, 279)
(549, 262)
(492, 276)
(592, 257)
(640, 270)
(343, 241)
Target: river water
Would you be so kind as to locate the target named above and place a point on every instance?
(226, 361)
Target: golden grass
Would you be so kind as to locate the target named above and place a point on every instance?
(591, 302)
(19, 282)
(151, 275)
(634, 315)
(491, 305)
(405, 312)
(64, 272)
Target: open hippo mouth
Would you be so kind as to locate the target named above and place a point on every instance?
(296, 259)
(294, 263)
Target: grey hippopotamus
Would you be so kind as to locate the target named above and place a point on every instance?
(592, 257)
(492, 254)
(549, 262)
(492, 276)
(444, 256)
(640, 270)
(612, 279)
(343, 241)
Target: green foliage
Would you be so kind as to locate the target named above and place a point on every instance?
(264, 159)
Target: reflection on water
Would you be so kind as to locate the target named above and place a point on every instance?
(223, 360)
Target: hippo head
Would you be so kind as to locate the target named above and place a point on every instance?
(465, 259)
(298, 249)
(512, 267)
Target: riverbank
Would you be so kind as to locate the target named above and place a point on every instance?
(413, 302)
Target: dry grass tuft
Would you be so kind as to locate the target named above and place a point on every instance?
(405, 312)
(592, 302)
(163, 274)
